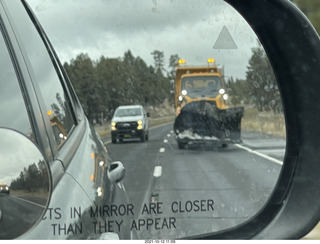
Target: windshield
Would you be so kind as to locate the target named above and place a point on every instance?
(123, 112)
(201, 85)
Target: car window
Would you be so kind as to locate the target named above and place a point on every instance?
(54, 97)
(128, 112)
(12, 105)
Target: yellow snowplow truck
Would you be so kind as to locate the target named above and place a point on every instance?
(202, 111)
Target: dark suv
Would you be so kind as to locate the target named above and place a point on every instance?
(38, 102)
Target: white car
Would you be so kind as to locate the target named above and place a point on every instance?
(130, 121)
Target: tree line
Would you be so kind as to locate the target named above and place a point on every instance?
(103, 85)
(260, 88)
(32, 179)
(107, 83)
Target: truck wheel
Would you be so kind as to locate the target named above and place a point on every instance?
(224, 145)
(181, 145)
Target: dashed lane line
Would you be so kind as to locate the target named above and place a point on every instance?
(157, 171)
(27, 201)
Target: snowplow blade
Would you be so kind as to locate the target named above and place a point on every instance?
(203, 121)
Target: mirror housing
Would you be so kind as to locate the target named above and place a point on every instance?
(293, 209)
(116, 172)
(26, 174)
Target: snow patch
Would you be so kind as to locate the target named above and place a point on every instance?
(188, 134)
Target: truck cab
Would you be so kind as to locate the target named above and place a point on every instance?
(201, 106)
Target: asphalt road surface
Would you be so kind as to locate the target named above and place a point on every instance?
(17, 215)
(184, 192)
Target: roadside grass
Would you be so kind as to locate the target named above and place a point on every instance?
(40, 193)
(253, 120)
(160, 121)
(103, 131)
(265, 122)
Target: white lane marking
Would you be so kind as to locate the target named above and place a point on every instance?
(24, 200)
(157, 171)
(162, 149)
(260, 154)
(165, 141)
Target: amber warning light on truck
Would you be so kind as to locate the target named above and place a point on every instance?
(182, 61)
(211, 61)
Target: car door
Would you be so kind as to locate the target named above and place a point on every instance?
(78, 160)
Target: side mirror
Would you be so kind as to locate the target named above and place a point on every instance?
(25, 180)
(116, 172)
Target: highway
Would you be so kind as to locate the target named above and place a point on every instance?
(184, 192)
(18, 214)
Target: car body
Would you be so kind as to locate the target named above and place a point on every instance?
(130, 121)
(37, 100)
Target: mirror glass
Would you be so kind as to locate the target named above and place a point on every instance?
(24, 184)
(216, 139)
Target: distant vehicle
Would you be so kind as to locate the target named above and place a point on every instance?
(130, 121)
(4, 188)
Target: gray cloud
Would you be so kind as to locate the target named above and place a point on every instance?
(184, 27)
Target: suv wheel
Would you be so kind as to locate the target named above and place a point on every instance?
(114, 140)
(181, 145)
(143, 136)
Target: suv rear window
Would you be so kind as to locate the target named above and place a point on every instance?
(128, 112)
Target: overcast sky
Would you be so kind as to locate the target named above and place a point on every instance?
(14, 161)
(195, 30)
